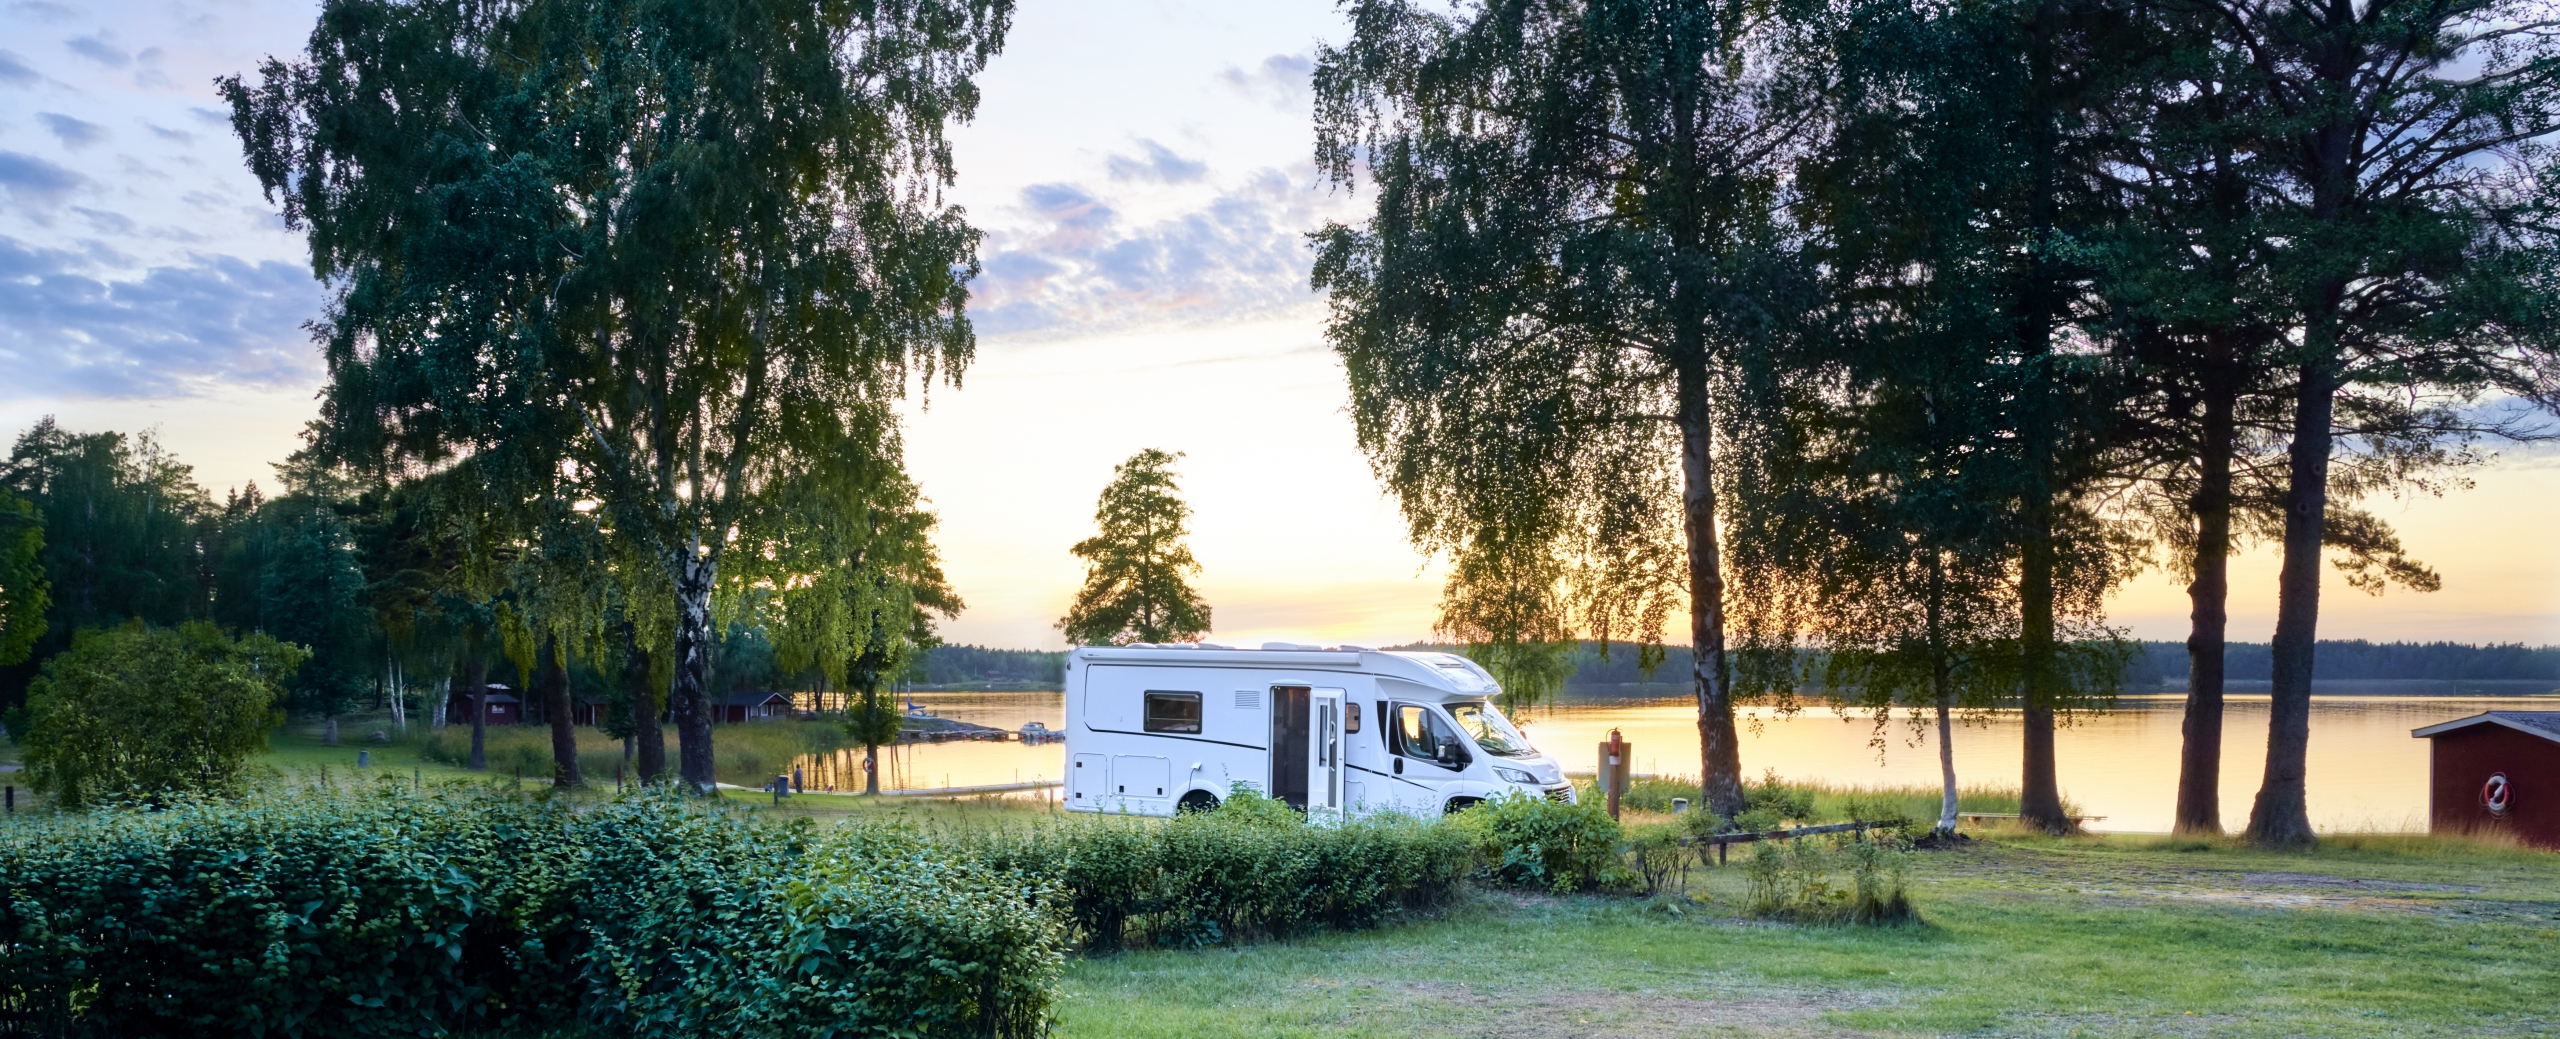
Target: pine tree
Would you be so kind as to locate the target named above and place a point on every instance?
(1135, 587)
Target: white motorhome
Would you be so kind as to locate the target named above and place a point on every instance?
(1334, 731)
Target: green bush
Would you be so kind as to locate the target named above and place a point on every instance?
(145, 712)
(1812, 880)
(1536, 843)
(1251, 867)
(384, 913)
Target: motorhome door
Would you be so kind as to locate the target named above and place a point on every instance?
(1324, 754)
(1290, 751)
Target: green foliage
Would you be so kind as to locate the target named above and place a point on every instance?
(311, 592)
(676, 259)
(147, 712)
(1812, 880)
(1535, 843)
(24, 592)
(1232, 874)
(123, 535)
(383, 913)
(1137, 567)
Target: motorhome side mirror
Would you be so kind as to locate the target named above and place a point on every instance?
(1449, 752)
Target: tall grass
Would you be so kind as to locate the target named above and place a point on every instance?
(1812, 803)
(746, 753)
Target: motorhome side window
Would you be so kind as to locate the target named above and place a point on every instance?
(1172, 712)
(1351, 716)
(1420, 735)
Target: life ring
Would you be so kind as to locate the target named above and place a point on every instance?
(2496, 794)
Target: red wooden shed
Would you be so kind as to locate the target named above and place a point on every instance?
(2496, 772)
(741, 706)
(504, 708)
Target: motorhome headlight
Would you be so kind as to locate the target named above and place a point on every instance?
(1513, 775)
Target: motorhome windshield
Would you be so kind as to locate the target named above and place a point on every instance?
(1491, 730)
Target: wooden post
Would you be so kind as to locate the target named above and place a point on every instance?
(13, 799)
(1615, 756)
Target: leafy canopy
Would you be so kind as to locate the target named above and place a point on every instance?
(139, 711)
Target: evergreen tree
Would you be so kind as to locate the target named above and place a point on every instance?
(24, 592)
(1137, 566)
(2405, 204)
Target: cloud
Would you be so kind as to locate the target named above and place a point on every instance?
(174, 331)
(1073, 267)
(1159, 164)
(45, 11)
(215, 116)
(32, 182)
(75, 133)
(97, 48)
(166, 134)
(1281, 81)
(106, 222)
(14, 71)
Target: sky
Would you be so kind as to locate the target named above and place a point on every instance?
(1142, 171)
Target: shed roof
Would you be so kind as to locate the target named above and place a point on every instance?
(752, 699)
(2545, 724)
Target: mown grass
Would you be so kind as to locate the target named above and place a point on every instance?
(2022, 936)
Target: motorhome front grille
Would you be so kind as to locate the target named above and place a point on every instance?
(1562, 795)
(1249, 699)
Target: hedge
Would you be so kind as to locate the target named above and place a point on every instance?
(386, 913)
(1251, 868)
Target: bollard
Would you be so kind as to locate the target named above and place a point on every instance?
(1614, 768)
(364, 758)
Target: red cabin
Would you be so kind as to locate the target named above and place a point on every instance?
(738, 707)
(504, 708)
(2497, 772)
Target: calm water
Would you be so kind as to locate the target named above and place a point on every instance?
(2366, 773)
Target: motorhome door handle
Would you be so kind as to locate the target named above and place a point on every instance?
(1399, 766)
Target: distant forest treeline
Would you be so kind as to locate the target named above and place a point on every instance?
(2154, 663)
(2157, 662)
(980, 667)
(2359, 660)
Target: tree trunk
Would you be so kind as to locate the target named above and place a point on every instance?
(651, 738)
(564, 731)
(1942, 688)
(1946, 763)
(2040, 790)
(690, 700)
(475, 679)
(2209, 615)
(2281, 818)
(1719, 745)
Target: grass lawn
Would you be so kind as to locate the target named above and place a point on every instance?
(2115, 936)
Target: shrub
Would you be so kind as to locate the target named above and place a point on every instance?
(383, 913)
(1252, 867)
(1536, 843)
(141, 712)
(1817, 881)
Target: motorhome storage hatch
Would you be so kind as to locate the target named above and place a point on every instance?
(1152, 730)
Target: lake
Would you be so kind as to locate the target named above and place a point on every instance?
(2366, 772)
